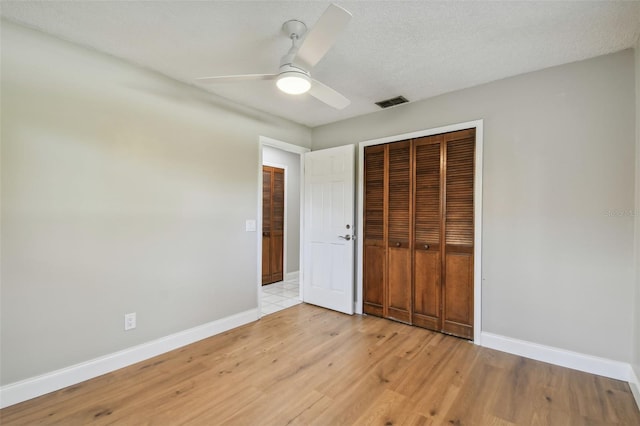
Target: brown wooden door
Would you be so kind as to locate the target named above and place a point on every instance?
(399, 230)
(272, 224)
(374, 239)
(427, 267)
(457, 292)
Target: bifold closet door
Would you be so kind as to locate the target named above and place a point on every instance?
(457, 292)
(428, 233)
(272, 224)
(418, 231)
(399, 230)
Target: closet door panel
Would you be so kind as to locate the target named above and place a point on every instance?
(399, 284)
(458, 275)
(373, 279)
(458, 300)
(399, 230)
(427, 232)
(277, 258)
(426, 296)
(374, 246)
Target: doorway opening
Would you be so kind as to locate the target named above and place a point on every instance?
(279, 225)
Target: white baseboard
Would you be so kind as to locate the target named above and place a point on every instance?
(577, 361)
(36, 386)
(291, 276)
(634, 382)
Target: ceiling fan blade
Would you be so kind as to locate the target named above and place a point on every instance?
(232, 78)
(322, 36)
(327, 95)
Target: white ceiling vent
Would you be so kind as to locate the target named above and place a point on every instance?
(392, 102)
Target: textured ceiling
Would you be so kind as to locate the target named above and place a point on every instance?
(417, 49)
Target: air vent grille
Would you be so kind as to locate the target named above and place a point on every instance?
(392, 102)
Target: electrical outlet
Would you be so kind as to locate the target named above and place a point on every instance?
(129, 321)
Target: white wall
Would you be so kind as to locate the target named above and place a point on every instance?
(558, 158)
(291, 161)
(122, 191)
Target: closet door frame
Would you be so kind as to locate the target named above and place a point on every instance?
(477, 193)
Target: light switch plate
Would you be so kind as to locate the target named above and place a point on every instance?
(250, 225)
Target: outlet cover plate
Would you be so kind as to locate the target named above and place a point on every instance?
(129, 321)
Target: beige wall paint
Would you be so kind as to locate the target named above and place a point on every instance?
(122, 191)
(291, 160)
(558, 170)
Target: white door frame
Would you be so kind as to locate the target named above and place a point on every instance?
(284, 146)
(477, 211)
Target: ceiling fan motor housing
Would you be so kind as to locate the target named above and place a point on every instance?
(290, 68)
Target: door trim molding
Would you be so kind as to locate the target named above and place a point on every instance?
(477, 220)
(634, 383)
(296, 149)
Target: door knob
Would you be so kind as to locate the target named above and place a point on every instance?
(345, 237)
(398, 244)
(426, 246)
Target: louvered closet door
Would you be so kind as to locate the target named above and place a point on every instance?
(399, 231)
(427, 233)
(374, 253)
(272, 224)
(458, 275)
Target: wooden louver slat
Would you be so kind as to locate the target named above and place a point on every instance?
(399, 191)
(266, 200)
(277, 221)
(374, 193)
(427, 188)
(459, 187)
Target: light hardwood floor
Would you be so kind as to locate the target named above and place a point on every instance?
(307, 365)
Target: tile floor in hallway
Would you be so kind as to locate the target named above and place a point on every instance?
(280, 295)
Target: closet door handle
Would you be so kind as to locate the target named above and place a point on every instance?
(426, 246)
(398, 244)
(265, 234)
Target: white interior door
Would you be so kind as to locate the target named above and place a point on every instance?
(328, 228)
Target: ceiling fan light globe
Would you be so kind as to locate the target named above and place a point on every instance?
(293, 83)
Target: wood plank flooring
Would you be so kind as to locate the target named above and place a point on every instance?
(310, 366)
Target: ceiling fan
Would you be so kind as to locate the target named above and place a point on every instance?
(293, 76)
